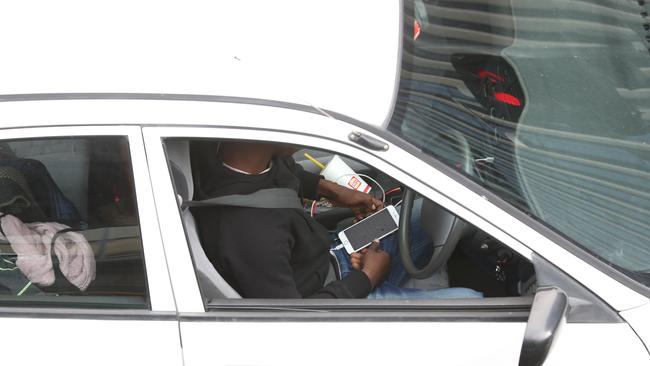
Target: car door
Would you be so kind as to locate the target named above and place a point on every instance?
(249, 331)
(118, 307)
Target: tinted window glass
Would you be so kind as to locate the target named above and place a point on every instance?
(544, 103)
(70, 231)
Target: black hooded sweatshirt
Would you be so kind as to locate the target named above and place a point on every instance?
(268, 253)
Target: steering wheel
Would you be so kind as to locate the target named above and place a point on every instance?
(444, 228)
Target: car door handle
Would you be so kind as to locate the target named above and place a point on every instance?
(548, 312)
(368, 141)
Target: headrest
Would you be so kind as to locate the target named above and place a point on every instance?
(178, 154)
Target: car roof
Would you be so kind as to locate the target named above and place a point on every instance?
(338, 55)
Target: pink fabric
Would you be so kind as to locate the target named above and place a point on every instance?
(32, 244)
(76, 258)
(34, 258)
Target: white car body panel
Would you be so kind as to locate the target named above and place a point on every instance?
(639, 320)
(83, 342)
(448, 343)
(160, 289)
(179, 260)
(350, 343)
(597, 344)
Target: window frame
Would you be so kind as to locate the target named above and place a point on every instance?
(159, 294)
(191, 307)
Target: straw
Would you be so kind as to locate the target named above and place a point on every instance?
(313, 160)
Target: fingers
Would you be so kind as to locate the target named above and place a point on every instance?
(370, 206)
(374, 246)
(376, 264)
(373, 205)
(377, 204)
(357, 259)
(357, 264)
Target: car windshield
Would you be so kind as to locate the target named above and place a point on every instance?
(546, 104)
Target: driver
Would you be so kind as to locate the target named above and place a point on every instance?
(285, 253)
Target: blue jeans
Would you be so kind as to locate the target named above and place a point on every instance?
(421, 251)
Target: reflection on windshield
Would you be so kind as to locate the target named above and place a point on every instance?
(553, 100)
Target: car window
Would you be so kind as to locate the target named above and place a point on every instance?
(226, 239)
(543, 103)
(70, 230)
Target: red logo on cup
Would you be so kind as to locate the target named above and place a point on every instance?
(354, 183)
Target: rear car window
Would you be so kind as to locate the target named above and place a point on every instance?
(70, 230)
(546, 104)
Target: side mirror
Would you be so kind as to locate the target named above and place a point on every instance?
(547, 314)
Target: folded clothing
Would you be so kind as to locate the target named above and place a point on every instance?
(34, 243)
(76, 258)
(34, 258)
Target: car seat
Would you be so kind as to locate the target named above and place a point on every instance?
(212, 285)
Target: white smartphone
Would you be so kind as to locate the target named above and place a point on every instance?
(376, 226)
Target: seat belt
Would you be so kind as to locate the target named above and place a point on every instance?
(264, 198)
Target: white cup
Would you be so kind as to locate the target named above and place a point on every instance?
(339, 172)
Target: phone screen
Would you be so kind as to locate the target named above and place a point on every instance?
(374, 227)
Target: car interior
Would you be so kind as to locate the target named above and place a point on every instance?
(470, 257)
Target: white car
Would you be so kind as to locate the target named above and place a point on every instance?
(523, 125)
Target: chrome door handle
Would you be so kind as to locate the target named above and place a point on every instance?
(368, 141)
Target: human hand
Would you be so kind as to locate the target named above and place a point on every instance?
(375, 263)
(362, 204)
(356, 259)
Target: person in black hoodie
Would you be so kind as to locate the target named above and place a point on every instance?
(273, 252)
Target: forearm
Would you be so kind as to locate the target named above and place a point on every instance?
(329, 190)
